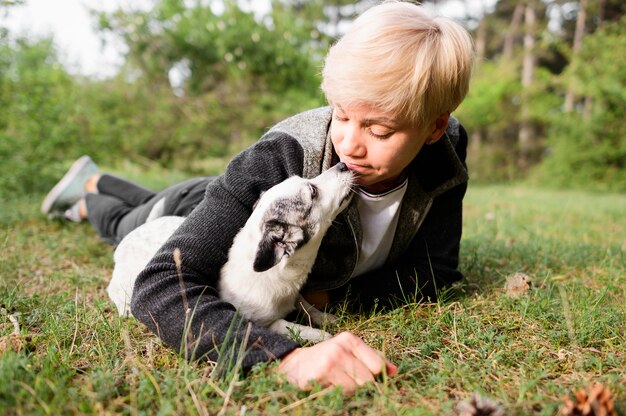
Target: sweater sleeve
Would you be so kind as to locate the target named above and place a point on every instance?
(430, 263)
(179, 302)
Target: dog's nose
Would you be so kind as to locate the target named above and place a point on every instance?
(342, 167)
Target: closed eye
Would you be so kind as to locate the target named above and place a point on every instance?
(314, 191)
(380, 136)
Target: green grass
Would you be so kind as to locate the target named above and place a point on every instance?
(528, 353)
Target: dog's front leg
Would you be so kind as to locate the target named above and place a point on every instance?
(307, 333)
(316, 316)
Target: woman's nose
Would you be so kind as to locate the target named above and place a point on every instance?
(352, 144)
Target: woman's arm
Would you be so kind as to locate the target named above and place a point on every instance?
(180, 303)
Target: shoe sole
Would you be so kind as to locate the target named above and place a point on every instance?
(63, 183)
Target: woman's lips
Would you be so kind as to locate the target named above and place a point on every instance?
(355, 168)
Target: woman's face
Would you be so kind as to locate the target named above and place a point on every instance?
(376, 146)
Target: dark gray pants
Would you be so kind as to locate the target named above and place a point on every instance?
(120, 206)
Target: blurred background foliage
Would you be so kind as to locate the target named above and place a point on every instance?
(546, 104)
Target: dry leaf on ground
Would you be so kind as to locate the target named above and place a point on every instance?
(11, 342)
(517, 284)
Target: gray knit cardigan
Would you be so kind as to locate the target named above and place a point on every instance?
(181, 304)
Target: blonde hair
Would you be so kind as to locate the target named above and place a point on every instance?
(400, 60)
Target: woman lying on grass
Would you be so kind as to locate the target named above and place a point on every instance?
(391, 81)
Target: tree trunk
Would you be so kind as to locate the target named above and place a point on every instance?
(509, 38)
(570, 96)
(477, 137)
(481, 40)
(601, 11)
(526, 132)
(587, 107)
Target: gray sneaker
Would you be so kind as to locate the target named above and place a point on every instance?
(70, 188)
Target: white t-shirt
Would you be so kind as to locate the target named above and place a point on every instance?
(379, 217)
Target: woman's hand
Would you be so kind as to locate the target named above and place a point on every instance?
(344, 360)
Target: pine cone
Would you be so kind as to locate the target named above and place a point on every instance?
(479, 406)
(594, 401)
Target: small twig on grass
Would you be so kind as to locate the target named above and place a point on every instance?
(211, 383)
(201, 410)
(189, 338)
(13, 341)
(33, 393)
(306, 399)
(75, 322)
(16, 324)
(130, 359)
(456, 339)
(308, 315)
(567, 313)
(236, 370)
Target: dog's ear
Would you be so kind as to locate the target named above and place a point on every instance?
(278, 240)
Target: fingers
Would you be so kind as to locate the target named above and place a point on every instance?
(373, 359)
(344, 360)
(348, 370)
(350, 379)
(294, 367)
(391, 368)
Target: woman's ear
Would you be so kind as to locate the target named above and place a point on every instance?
(438, 128)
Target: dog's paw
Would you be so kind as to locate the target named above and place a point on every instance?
(299, 332)
(324, 336)
(314, 335)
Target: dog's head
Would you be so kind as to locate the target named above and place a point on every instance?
(297, 211)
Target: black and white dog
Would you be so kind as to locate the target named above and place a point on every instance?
(270, 258)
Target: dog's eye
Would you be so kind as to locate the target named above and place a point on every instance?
(314, 191)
